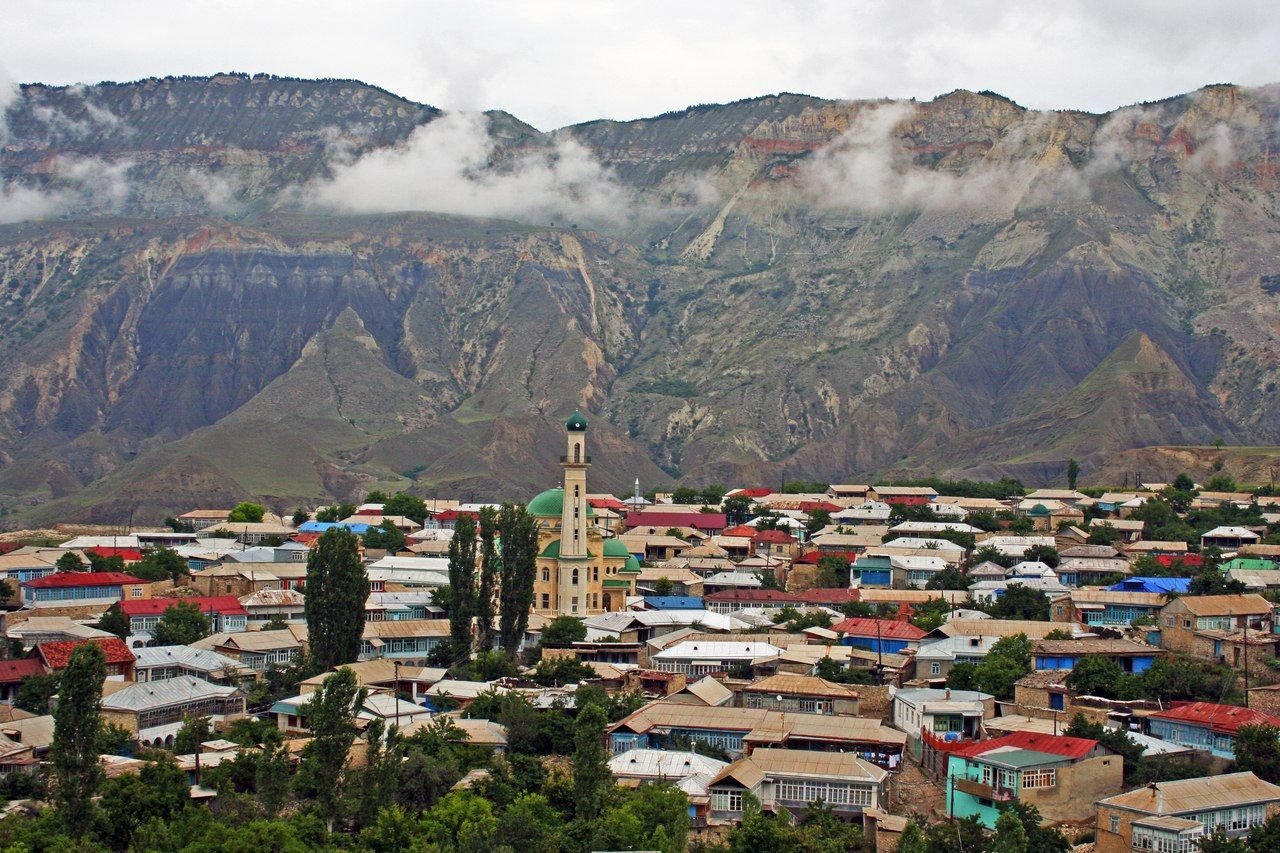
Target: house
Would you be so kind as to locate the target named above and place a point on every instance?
(232, 579)
(879, 635)
(689, 771)
(270, 605)
(918, 546)
(709, 523)
(867, 512)
(937, 656)
(1158, 585)
(1065, 654)
(734, 600)
(1016, 546)
(945, 713)
(805, 694)
(791, 780)
(872, 571)
(46, 629)
(224, 612)
(1228, 538)
(258, 650)
(739, 730)
(201, 519)
(28, 564)
(291, 714)
(407, 640)
(774, 543)
(153, 712)
(416, 572)
(703, 657)
(160, 663)
(12, 672)
(1174, 816)
(903, 495)
(398, 606)
(83, 589)
(56, 655)
(1206, 725)
(1222, 628)
(1107, 608)
(1088, 565)
(916, 571)
(1061, 776)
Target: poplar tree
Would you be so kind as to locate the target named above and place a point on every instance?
(336, 591)
(591, 775)
(331, 714)
(490, 571)
(518, 555)
(76, 725)
(462, 586)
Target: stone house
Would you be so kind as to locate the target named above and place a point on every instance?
(1174, 816)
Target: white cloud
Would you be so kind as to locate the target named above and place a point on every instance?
(446, 167)
(75, 184)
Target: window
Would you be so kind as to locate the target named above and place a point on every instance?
(574, 576)
(1057, 701)
(546, 601)
(1115, 823)
(1045, 777)
(726, 801)
(573, 604)
(546, 575)
(595, 573)
(935, 668)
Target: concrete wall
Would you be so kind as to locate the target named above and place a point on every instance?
(1079, 787)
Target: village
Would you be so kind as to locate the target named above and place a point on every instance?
(1073, 666)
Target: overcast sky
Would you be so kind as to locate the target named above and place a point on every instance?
(555, 62)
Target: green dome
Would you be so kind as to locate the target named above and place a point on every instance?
(551, 504)
(576, 422)
(1039, 510)
(615, 548)
(632, 566)
(552, 550)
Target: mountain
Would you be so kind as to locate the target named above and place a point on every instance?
(256, 286)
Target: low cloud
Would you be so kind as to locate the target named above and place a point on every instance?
(448, 166)
(75, 185)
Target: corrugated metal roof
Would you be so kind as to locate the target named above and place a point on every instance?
(663, 764)
(1188, 796)
(157, 694)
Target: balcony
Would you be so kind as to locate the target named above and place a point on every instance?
(987, 792)
(586, 460)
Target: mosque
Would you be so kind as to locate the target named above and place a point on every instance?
(580, 572)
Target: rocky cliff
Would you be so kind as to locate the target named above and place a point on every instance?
(299, 289)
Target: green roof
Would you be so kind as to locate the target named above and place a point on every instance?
(632, 566)
(552, 551)
(615, 548)
(617, 582)
(1021, 758)
(576, 422)
(1039, 510)
(551, 504)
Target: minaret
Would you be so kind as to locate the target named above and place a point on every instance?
(573, 521)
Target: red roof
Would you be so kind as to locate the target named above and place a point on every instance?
(1068, 747)
(306, 538)
(13, 671)
(1224, 719)
(57, 654)
(753, 595)
(129, 555)
(750, 493)
(810, 506)
(813, 557)
(453, 514)
(891, 629)
(780, 537)
(6, 547)
(744, 531)
(696, 520)
(225, 604)
(1191, 561)
(607, 503)
(65, 579)
(820, 595)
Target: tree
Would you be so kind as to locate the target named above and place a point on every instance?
(929, 615)
(160, 564)
(35, 691)
(181, 624)
(70, 562)
(949, 578)
(337, 588)
(518, 554)
(664, 586)
(1010, 835)
(77, 722)
(194, 731)
(115, 622)
(331, 714)
(818, 519)
(462, 581)
(1042, 554)
(1021, 602)
(300, 517)
(335, 513)
(1258, 749)
(1214, 582)
(685, 495)
(487, 588)
(1008, 660)
(736, 509)
(1073, 473)
(1102, 534)
(101, 563)
(1096, 675)
(591, 776)
(833, 572)
(385, 536)
(562, 632)
(247, 513)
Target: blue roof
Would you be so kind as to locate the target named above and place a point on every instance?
(1163, 586)
(673, 602)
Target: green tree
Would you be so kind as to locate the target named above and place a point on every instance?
(963, 676)
(462, 582)
(300, 517)
(247, 513)
(736, 509)
(518, 553)
(194, 731)
(685, 495)
(531, 824)
(563, 631)
(70, 562)
(159, 791)
(833, 572)
(181, 624)
(1021, 602)
(101, 563)
(1096, 675)
(114, 621)
(591, 776)
(1113, 739)
(1212, 581)
(463, 822)
(1008, 661)
(929, 615)
(331, 714)
(818, 519)
(555, 672)
(160, 564)
(77, 722)
(1103, 534)
(385, 536)
(406, 505)
(949, 578)
(490, 571)
(1073, 473)
(35, 691)
(1010, 835)
(664, 586)
(337, 588)
(1042, 554)
(1258, 750)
